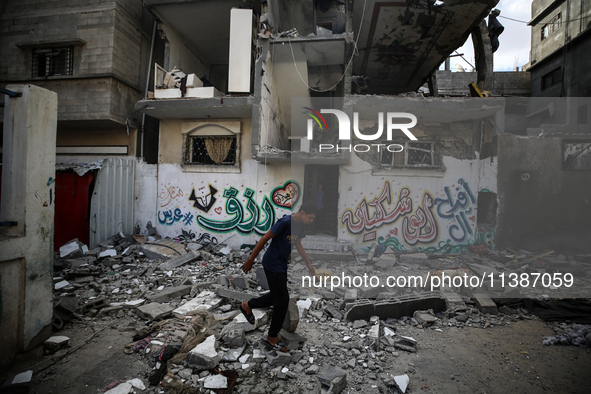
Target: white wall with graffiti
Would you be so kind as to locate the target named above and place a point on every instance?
(235, 208)
(434, 214)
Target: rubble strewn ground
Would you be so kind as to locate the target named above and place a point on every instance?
(162, 316)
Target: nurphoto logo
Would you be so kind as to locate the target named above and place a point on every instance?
(345, 129)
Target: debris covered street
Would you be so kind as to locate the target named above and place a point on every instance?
(162, 316)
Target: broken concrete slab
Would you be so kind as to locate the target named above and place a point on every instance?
(234, 338)
(180, 260)
(402, 382)
(72, 249)
(425, 318)
(333, 380)
(484, 303)
(154, 311)
(123, 388)
(292, 317)
(407, 305)
(406, 343)
(57, 342)
(351, 295)
(170, 293)
(215, 382)
(241, 282)
(163, 249)
(333, 312)
(262, 278)
(234, 295)
(363, 309)
(205, 355)
(206, 300)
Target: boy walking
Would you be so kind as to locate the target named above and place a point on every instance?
(284, 235)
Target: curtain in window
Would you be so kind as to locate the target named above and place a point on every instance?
(218, 148)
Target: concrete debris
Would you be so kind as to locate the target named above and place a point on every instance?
(23, 378)
(234, 338)
(215, 382)
(205, 355)
(406, 343)
(72, 249)
(56, 343)
(181, 299)
(333, 381)
(402, 382)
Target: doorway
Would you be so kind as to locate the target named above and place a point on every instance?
(321, 185)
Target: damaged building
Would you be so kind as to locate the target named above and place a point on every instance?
(216, 129)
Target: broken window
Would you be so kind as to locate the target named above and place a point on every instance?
(52, 61)
(551, 26)
(211, 150)
(414, 154)
(576, 155)
(552, 78)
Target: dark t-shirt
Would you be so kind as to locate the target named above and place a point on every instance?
(277, 255)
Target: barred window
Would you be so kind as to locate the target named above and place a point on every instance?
(211, 150)
(414, 154)
(551, 26)
(52, 61)
(552, 78)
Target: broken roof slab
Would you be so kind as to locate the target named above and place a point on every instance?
(200, 108)
(440, 110)
(402, 43)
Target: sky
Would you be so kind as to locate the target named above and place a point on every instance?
(515, 41)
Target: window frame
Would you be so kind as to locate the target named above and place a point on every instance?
(435, 160)
(53, 71)
(553, 25)
(550, 75)
(191, 130)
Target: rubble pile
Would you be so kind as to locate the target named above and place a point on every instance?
(179, 300)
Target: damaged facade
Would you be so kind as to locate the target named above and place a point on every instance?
(231, 153)
(313, 56)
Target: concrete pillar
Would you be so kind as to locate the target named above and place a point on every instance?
(28, 195)
(484, 57)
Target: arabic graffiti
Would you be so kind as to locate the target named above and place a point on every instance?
(362, 220)
(170, 217)
(244, 219)
(421, 227)
(286, 196)
(458, 208)
(168, 194)
(403, 225)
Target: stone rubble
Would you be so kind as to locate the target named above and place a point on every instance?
(348, 337)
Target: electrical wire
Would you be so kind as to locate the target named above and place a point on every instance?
(355, 53)
(526, 22)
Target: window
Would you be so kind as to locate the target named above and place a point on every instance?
(551, 26)
(211, 150)
(552, 78)
(576, 155)
(414, 154)
(52, 61)
(211, 146)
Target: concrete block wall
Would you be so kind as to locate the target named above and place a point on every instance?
(504, 83)
(116, 46)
